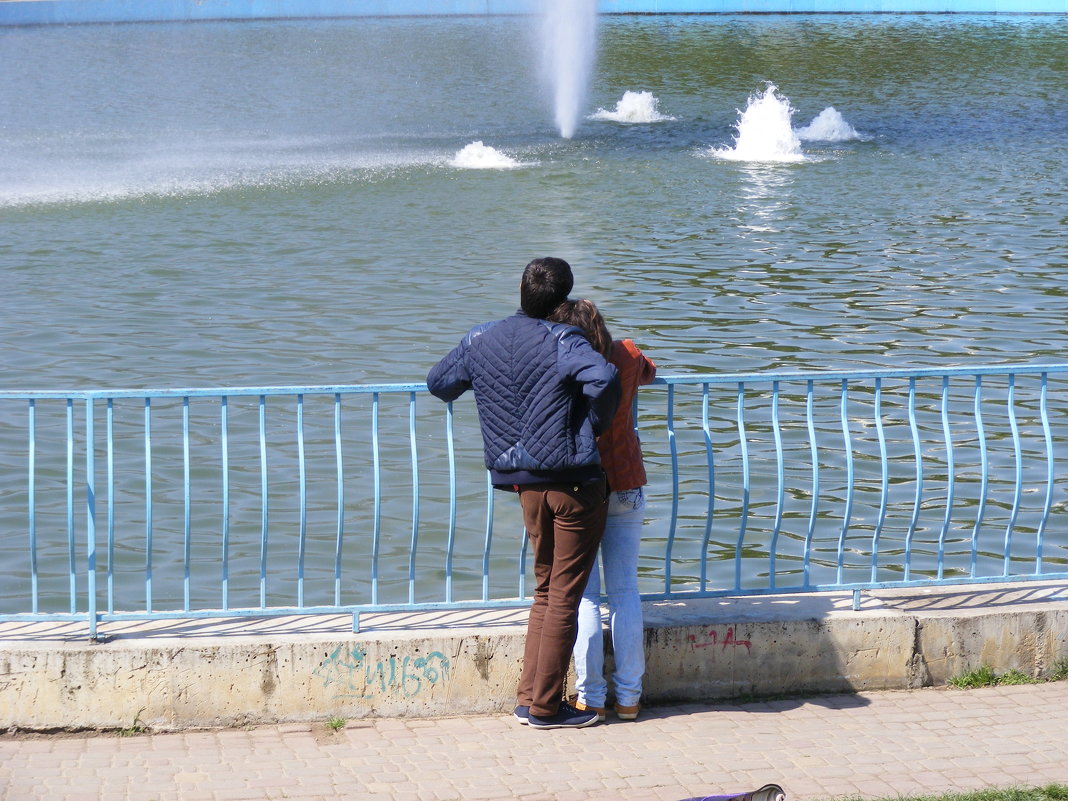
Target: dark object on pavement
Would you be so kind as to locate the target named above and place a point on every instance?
(769, 792)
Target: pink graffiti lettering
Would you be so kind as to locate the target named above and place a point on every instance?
(713, 640)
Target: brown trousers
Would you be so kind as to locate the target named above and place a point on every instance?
(564, 523)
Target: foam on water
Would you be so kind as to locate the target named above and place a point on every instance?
(828, 126)
(633, 108)
(764, 131)
(478, 156)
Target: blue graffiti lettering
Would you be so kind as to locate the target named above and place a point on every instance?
(354, 676)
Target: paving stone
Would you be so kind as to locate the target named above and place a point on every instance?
(870, 745)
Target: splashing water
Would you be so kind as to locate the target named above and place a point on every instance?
(477, 156)
(633, 107)
(828, 126)
(569, 31)
(764, 131)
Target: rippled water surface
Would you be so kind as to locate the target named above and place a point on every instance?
(274, 202)
(269, 203)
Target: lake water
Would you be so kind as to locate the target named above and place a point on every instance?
(274, 202)
(336, 202)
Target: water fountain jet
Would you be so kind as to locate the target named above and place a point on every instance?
(569, 38)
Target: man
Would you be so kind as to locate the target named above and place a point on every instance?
(543, 395)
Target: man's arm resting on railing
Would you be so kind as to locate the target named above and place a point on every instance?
(449, 378)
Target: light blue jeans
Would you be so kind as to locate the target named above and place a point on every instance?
(619, 557)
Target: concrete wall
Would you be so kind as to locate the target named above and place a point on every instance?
(43, 12)
(197, 674)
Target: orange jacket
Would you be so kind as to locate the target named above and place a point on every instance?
(621, 452)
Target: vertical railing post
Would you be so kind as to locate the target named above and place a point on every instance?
(1048, 504)
(918, 455)
(450, 548)
(148, 504)
(302, 483)
(850, 480)
(743, 518)
(1018, 487)
(31, 502)
(488, 542)
(780, 477)
(884, 485)
(415, 496)
(984, 469)
(340, 499)
(810, 533)
(224, 432)
(71, 563)
(674, 487)
(376, 530)
(711, 508)
(947, 435)
(264, 501)
(187, 528)
(110, 429)
(90, 517)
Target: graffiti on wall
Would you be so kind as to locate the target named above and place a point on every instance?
(352, 674)
(712, 639)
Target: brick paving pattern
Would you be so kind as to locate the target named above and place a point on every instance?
(871, 745)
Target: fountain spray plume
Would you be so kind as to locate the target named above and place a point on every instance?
(569, 41)
(633, 108)
(764, 131)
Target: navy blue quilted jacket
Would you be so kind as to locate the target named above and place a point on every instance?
(543, 395)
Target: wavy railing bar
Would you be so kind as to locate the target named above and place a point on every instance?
(339, 461)
(918, 454)
(674, 486)
(450, 548)
(810, 423)
(884, 466)
(224, 440)
(711, 459)
(1048, 505)
(984, 465)
(780, 480)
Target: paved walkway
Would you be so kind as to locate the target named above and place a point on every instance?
(875, 745)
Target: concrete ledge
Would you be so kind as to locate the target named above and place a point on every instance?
(188, 674)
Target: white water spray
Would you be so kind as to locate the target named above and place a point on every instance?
(633, 108)
(569, 39)
(828, 126)
(477, 156)
(764, 131)
(96, 168)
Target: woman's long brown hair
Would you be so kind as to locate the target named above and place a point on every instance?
(584, 314)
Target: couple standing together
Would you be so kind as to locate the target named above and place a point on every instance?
(554, 395)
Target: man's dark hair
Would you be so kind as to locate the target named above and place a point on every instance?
(546, 284)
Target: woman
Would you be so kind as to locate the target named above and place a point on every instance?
(621, 458)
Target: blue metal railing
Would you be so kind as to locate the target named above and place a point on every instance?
(303, 500)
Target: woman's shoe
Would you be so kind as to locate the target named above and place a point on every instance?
(598, 709)
(628, 712)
